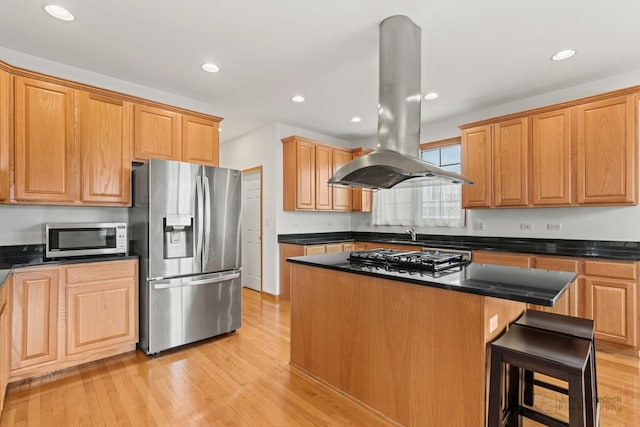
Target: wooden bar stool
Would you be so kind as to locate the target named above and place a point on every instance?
(558, 356)
(565, 325)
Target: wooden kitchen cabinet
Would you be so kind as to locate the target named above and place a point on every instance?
(35, 317)
(342, 196)
(477, 166)
(511, 163)
(6, 133)
(502, 258)
(299, 176)
(200, 140)
(551, 164)
(104, 124)
(607, 151)
(362, 198)
(323, 171)
(101, 306)
(156, 133)
(568, 304)
(5, 340)
(611, 300)
(44, 141)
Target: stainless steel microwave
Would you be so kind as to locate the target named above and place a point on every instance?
(81, 239)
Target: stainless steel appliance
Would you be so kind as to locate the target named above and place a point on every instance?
(185, 224)
(432, 260)
(82, 239)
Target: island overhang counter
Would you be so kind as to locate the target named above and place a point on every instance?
(409, 346)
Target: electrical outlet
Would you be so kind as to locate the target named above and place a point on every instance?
(554, 227)
(526, 227)
(478, 226)
(493, 323)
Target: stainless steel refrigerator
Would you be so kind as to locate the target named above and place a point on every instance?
(185, 224)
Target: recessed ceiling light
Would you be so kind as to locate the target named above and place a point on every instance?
(298, 98)
(563, 54)
(431, 96)
(355, 119)
(59, 12)
(210, 67)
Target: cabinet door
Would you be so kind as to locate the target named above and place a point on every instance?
(342, 196)
(35, 318)
(6, 136)
(44, 138)
(200, 140)
(476, 165)
(5, 340)
(510, 163)
(305, 185)
(156, 133)
(607, 140)
(324, 170)
(106, 166)
(612, 306)
(551, 158)
(500, 258)
(362, 198)
(286, 251)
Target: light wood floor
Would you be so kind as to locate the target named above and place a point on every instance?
(242, 379)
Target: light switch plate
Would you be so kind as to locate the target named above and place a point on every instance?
(493, 323)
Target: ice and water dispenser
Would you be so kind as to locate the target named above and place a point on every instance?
(178, 236)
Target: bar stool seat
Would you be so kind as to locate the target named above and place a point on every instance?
(559, 356)
(565, 325)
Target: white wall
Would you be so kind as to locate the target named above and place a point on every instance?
(591, 223)
(263, 147)
(24, 224)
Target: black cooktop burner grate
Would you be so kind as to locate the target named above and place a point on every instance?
(434, 261)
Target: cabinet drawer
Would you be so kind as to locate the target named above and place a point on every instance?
(497, 258)
(315, 250)
(83, 273)
(334, 247)
(618, 270)
(557, 264)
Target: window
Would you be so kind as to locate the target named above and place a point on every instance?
(438, 205)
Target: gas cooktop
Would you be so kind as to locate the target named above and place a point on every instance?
(432, 260)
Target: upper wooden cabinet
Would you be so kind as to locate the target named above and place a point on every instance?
(342, 196)
(510, 163)
(104, 141)
(307, 166)
(6, 133)
(477, 166)
(607, 151)
(200, 140)
(582, 152)
(156, 133)
(44, 141)
(551, 165)
(362, 198)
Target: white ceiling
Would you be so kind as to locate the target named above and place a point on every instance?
(474, 53)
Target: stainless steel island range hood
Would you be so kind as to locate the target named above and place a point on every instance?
(396, 158)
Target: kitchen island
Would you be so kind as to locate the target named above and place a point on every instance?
(407, 345)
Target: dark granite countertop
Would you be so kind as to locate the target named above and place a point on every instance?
(18, 256)
(527, 285)
(605, 249)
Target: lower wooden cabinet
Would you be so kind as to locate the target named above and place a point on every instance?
(67, 315)
(5, 340)
(612, 306)
(35, 314)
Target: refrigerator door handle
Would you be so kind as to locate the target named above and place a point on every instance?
(207, 220)
(200, 207)
(173, 284)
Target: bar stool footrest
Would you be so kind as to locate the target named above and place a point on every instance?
(541, 418)
(551, 387)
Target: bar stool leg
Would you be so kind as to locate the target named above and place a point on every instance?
(590, 401)
(495, 389)
(528, 388)
(514, 397)
(576, 403)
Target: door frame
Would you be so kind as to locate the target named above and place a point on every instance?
(244, 172)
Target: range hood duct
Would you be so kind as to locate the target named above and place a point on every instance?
(396, 158)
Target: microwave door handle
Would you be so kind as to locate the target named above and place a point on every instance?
(199, 207)
(207, 220)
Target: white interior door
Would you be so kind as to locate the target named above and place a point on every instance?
(251, 228)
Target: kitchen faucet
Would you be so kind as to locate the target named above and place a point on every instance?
(412, 232)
